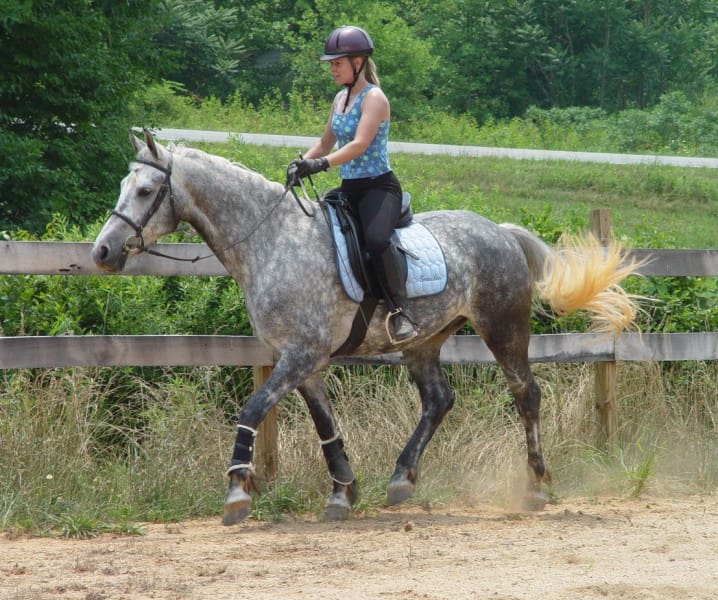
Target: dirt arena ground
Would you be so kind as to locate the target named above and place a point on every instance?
(652, 548)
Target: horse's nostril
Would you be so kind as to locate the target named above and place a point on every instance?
(100, 253)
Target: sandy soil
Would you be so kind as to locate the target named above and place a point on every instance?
(582, 549)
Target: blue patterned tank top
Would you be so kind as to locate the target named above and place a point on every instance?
(375, 160)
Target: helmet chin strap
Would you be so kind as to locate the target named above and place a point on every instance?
(349, 86)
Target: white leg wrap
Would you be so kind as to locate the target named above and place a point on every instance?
(248, 466)
(341, 482)
(252, 431)
(329, 441)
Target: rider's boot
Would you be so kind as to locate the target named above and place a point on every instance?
(403, 328)
(392, 272)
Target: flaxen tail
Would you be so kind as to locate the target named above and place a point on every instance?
(581, 274)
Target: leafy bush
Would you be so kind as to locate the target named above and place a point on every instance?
(677, 304)
(51, 305)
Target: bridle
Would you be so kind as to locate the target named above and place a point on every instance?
(136, 243)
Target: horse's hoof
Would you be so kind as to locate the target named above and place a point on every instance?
(237, 505)
(534, 501)
(337, 508)
(398, 491)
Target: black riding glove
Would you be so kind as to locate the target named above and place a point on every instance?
(302, 167)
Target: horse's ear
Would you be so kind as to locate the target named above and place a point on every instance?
(137, 143)
(150, 140)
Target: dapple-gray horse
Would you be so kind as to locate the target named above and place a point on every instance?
(283, 260)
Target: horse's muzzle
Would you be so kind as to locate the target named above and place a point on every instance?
(106, 259)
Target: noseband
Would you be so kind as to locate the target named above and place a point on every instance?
(136, 243)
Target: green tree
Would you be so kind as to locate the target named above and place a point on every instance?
(224, 48)
(489, 50)
(484, 58)
(67, 71)
(617, 54)
(501, 56)
(203, 47)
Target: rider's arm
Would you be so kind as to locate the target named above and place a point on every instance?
(375, 109)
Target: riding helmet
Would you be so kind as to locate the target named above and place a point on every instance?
(347, 41)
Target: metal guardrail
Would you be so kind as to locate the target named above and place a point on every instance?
(262, 139)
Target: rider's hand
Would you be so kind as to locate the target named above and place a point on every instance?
(302, 167)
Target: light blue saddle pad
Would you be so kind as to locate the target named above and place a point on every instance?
(424, 258)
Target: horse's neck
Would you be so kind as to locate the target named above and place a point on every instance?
(238, 213)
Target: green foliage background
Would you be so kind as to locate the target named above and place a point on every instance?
(81, 449)
(66, 72)
(651, 206)
(70, 73)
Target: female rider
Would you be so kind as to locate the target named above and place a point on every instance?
(359, 123)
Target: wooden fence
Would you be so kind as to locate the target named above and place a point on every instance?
(66, 258)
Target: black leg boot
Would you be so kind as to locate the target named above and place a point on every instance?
(392, 272)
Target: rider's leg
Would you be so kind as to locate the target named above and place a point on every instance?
(392, 271)
(379, 210)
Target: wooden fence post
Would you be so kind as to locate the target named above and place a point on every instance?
(267, 454)
(604, 372)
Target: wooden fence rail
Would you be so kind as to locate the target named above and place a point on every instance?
(70, 258)
(247, 351)
(73, 258)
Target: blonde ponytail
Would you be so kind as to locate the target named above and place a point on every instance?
(370, 72)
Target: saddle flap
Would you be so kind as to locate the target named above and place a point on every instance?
(427, 273)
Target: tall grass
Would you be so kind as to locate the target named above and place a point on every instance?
(72, 461)
(71, 454)
(676, 125)
(651, 205)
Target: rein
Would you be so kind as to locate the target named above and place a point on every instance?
(136, 244)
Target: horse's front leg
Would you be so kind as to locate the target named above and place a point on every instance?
(344, 493)
(292, 368)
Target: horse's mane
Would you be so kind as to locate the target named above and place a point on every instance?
(219, 161)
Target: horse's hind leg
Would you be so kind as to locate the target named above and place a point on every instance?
(436, 400)
(510, 348)
(344, 493)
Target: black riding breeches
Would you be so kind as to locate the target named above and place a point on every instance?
(377, 202)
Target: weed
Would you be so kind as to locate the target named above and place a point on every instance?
(285, 498)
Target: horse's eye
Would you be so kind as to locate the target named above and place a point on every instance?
(144, 191)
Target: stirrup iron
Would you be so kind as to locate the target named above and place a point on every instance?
(390, 329)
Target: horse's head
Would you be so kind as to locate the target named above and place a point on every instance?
(145, 210)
